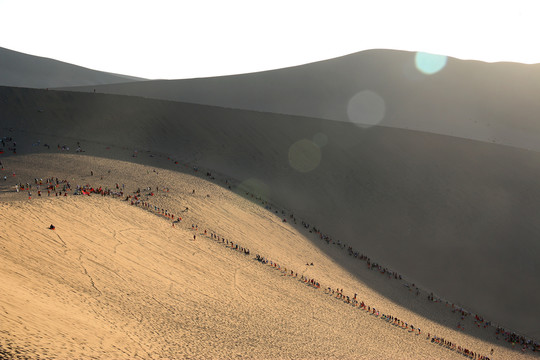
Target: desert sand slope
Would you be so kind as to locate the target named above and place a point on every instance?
(457, 217)
(115, 281)
(470, 99)
(18, 69)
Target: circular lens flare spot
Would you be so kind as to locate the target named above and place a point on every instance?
(320, 139)
(366, 108)
(429, 64)
(304, 155)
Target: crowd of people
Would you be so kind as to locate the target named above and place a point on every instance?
(50, 185)
(513, 338)
(9, 144)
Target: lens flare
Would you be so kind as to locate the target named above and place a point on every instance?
(320, 139)
(429, 64)
(366, 108)
(304, 155)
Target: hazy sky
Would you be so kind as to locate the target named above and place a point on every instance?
(197, 38)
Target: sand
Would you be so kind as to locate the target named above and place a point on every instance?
(456, 217)
(18, 69)
(491, 102)
(118, 281)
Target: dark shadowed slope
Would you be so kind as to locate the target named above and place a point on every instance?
(470, 99)
(23, 70)
(459, 217)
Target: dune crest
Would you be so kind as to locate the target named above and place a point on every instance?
(23, 70)
(491, 102)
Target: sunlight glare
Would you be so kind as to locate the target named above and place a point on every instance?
(366, 108)
(429, 64)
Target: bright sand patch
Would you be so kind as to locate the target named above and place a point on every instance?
(116, 281)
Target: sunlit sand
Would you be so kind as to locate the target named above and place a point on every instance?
(115, 280)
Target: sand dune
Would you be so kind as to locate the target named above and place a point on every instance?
(470, 99)
(445, 212)
(116, 281)
(23, 70)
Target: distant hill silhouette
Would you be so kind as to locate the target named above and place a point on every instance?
(492, 102)
(23, 70)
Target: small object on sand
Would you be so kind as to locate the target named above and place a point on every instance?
(52, 227)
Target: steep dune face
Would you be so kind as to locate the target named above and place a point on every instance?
(115, 281)
(23, 70)
(455, 216)
(469, 99)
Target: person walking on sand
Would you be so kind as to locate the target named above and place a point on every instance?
(194, 237)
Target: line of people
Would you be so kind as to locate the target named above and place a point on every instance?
(510, 337)
(372, 265)
(339, 294)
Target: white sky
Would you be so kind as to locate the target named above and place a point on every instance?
(199, 38)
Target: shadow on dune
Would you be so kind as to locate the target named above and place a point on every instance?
(493, 102)
(455, 216)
